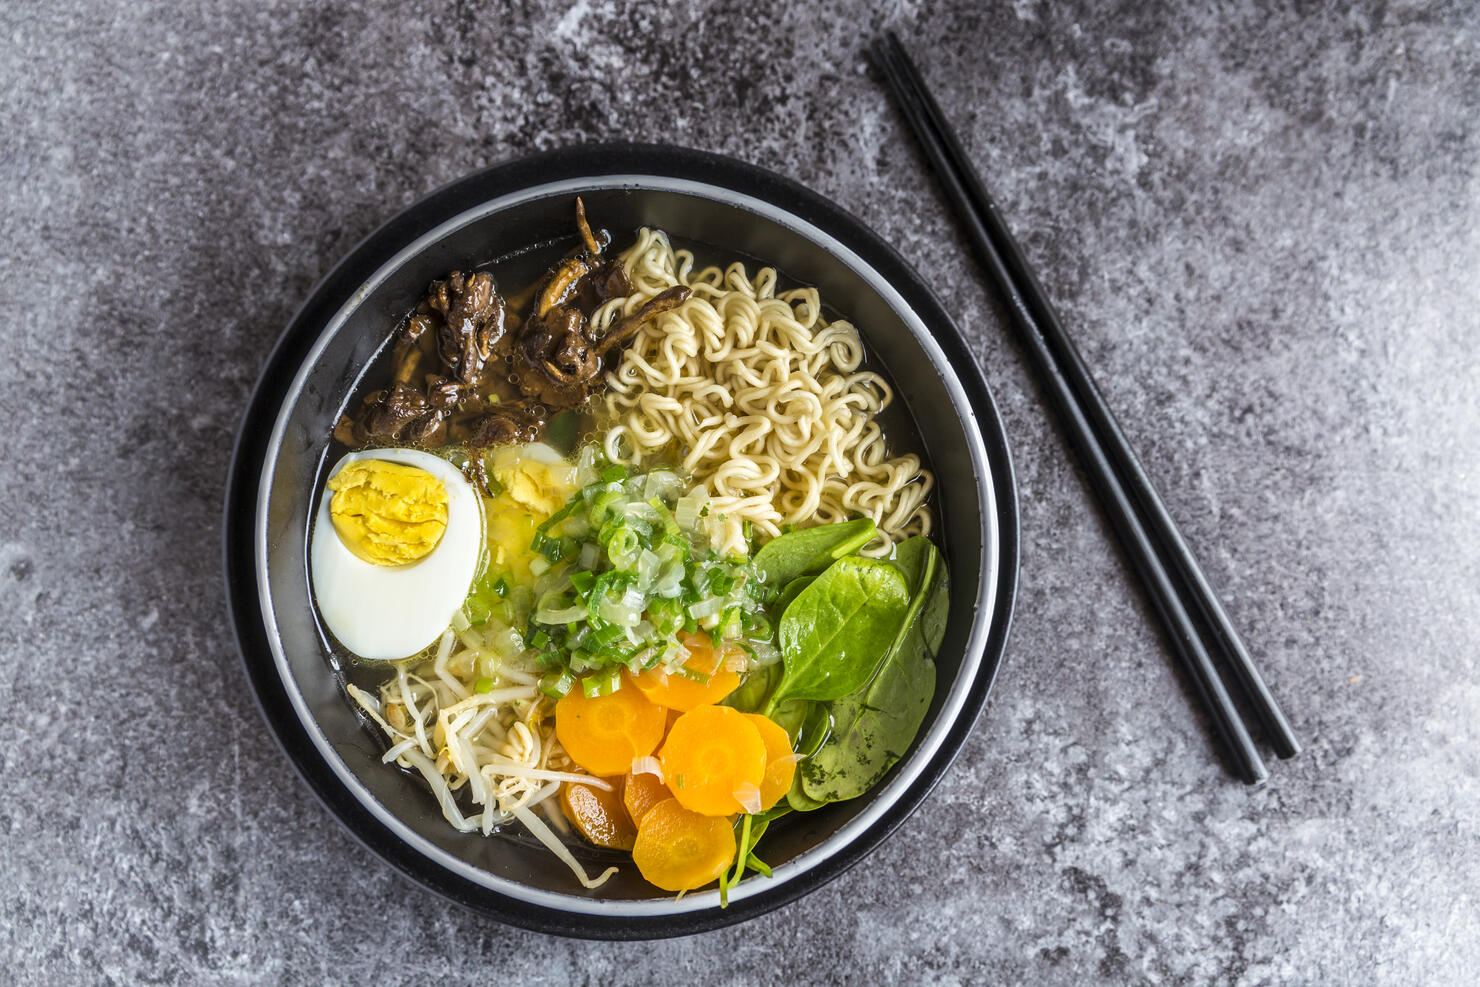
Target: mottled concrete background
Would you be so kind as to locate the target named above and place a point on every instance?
(1261, 223)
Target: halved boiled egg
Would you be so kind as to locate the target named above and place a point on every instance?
(395, 548)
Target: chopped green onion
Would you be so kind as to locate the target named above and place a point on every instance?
(602, 683)
(557, 683)
(623, 569)
(557, 517)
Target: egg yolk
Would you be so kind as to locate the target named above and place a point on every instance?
(533, 485)
(528, 493)
(388, 513)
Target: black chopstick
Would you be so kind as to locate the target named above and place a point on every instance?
(1171, 546)
(1156, 549)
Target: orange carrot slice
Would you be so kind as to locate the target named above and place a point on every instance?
(679, 850)
(780, 761)
(605, 733)
(711, 753)
(676, 691)
(599, 814)
(640, 793)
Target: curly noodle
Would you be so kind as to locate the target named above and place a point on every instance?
(760, 399)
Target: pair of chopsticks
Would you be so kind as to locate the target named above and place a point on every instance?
(1195, 621)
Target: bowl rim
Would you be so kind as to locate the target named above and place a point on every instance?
(468, 200)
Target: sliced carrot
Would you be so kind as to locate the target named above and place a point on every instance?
(599, 814)
(605, 733)
(677, 691)
(780, 761)
(679, 850)
(640, 793)
(711, 753)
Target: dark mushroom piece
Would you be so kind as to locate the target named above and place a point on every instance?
(574, 360)
(429, 429)
(611, 281)
(408, 353)
(473, 322)
(541, 335)
(624, 329)
(564, 283)
(464, 370)
(443, 394)
(397, 407)
(593, 247)
(500, 428)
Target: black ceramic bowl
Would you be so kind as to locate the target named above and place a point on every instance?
(280, 457)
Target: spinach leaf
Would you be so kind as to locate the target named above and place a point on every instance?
(797, 718)
(751, 696)
(562, 431)
(809, 731)
(798, 798)
(839, 629)
(752, 828)
(936, 607)
(874, 726)
(809, 551)
(789, 593)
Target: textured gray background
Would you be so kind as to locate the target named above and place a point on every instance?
(1261, 224)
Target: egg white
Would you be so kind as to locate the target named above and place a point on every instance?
(390, 612)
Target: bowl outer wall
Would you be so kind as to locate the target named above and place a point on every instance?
(595, 163)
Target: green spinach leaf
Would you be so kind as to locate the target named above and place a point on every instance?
(809, 725)
(754, 689)
(562, 431)
(788, 593)
(874, 726)
(809, 551)
(839, 629)
(752, 828)
(798, 719)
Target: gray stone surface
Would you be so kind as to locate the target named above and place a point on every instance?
(1262, 226)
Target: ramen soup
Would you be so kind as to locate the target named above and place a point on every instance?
(630, 560)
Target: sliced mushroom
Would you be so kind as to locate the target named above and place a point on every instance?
(574, 359)
(625, 328)
(501, 428)
(592, 246)
(394, 409)
(429, 429)
(443, 394)
(564, 282)
(612, 281)
(463, 368)
(542, 335)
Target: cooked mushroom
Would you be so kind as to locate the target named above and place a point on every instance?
(574, 359)
(592, 246)
(442, 394)
(624, 329)
(396, 408)
(612, 281)
(564, 282)
(464, 370)
(473, 321)
(501, 428)
(542, 334)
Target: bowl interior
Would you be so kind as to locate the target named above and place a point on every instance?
(732, 225)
